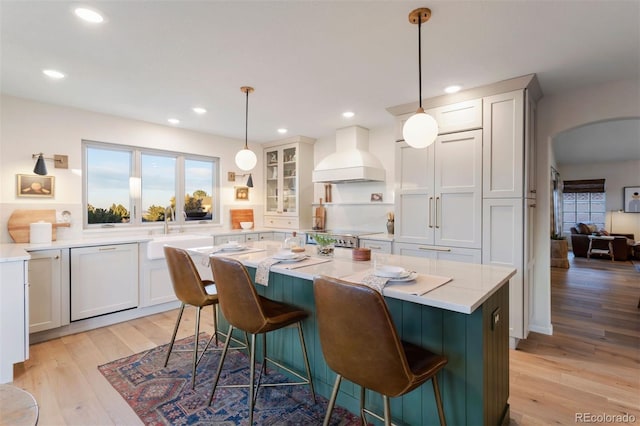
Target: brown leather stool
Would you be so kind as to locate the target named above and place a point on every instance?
(360, 343)
(245, 310)
(190, 289)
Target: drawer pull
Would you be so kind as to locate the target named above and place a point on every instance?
(106, 248)
(434, 248)
(375, 247)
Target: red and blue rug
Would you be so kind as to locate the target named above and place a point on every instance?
(163, 396)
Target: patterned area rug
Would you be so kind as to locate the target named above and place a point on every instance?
(163, 396)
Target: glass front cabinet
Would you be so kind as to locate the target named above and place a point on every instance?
(288, 188)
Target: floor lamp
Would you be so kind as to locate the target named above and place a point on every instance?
(613, 212)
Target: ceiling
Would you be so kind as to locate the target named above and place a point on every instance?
(308, 60)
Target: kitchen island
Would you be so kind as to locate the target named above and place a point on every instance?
(465, 319)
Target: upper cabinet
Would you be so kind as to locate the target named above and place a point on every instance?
(456, 117)
(288, 189)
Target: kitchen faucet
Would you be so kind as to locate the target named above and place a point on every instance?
(169, 213)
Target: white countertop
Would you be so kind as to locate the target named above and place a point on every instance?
(472, 284)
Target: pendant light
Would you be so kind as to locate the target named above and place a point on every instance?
(245, 158)
(421, 129)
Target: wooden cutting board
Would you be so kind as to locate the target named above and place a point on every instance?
(19, 223)
(319, 218)
(240, 215)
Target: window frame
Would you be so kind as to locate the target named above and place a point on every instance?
(135, 195)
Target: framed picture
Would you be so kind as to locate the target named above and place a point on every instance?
(35, 186)
(376, 196)
(242, 193)
(632, 199)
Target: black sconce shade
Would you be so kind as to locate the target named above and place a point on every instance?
(41, 167)
(250, 181)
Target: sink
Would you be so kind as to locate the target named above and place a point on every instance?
(155, 247)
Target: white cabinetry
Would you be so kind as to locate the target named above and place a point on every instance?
(451, 118)
(435, 252)
(104, 279)
(376, 246)
(14, 316)
(439, 192)
(288, 188)
(508, 197)
(44, 290)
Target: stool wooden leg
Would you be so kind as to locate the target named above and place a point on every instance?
(175, 332)
(332, 400)
(436, 392)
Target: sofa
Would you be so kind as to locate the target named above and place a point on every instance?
(622, 243)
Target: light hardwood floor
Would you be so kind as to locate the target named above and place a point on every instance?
(590, 365)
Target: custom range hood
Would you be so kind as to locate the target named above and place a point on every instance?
(352, 161)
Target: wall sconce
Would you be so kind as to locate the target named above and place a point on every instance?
(231, 177)
(59, 162)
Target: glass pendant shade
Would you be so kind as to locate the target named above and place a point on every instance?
(246, 159)
(250, 181)
(420, 130)
(40, 168)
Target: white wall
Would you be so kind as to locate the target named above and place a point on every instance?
(617, 175)
(564, 111)
(351, 207)
(29, 127)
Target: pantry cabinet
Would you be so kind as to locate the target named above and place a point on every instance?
(288, 193)
(97, 286)
(439, 192)
(45, 286)
(14, 316)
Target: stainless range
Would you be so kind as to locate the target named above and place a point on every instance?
(345, 239)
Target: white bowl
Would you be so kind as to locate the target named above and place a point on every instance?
(246, 225)
(389, 271)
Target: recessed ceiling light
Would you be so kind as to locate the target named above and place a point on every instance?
(199, 110)
(88, 15)
(282, 130)
(348, 114)
(173, 121)
(453, 89)
(57, 75)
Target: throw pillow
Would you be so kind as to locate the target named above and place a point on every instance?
(582, 228)
(592, 228)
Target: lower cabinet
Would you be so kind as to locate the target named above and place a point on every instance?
(14, 306)
(455, 254)
(376, 246)
(104, 279)
(44, 290)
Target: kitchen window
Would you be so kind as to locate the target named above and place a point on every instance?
(125, 186)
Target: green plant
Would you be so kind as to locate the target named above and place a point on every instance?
(323, 240)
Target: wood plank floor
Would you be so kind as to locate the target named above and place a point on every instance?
(591, 364)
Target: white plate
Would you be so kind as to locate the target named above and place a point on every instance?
(410, 277)
(285, 255)
(232, 248)
(388, 271)
(298, 258)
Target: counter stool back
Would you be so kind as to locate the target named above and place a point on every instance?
(251, 313)
(368, 352)
(190, 289)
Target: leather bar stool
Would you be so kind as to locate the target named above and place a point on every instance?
(251, 313)
(360, 343)
(190, 289)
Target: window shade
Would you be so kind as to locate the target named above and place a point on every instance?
(586, 185)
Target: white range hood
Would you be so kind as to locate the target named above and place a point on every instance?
(352, 161)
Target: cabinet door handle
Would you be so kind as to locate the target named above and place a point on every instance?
(106, 248)
(430, 210)
(532, 205)
(437, 215)
(375, 247)
(56, 257)
(533, 191)
(434, 248)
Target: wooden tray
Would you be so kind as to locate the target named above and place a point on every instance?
(240, 215)
(19, 224)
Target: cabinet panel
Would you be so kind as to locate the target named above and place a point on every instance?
(44, 290)
(281, 222)
(414, 171)
(438, 252)
(531, 110)
(458, 117)
(376, 246)
(412, 218)
(503, 134)
(14, 300)
(104, 279)
(223, 239)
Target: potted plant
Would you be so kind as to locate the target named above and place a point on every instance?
(325, 244)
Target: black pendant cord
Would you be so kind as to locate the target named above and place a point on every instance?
(246, 120)
(420, 59)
